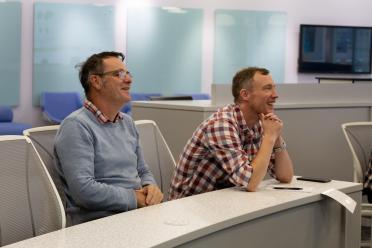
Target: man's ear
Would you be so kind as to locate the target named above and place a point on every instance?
(95, 82)
(244, 94)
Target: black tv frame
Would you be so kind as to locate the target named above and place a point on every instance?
(315, 67)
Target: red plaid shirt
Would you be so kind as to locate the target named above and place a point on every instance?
(218, 155)
(101, 117)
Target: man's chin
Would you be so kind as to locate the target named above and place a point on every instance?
(268, 111)
(127, 97)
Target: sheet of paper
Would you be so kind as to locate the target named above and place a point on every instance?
(342, 198)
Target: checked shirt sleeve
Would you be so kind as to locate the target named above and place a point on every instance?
(225, 143)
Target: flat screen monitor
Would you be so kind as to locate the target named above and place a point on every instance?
(335, 49)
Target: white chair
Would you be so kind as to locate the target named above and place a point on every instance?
(359, 139)
(157, 154)
(29, 202)
(43, 140)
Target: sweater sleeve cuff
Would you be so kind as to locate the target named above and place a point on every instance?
(132, 200)
(147, 182)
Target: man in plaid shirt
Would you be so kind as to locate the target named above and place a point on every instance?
(238, 144)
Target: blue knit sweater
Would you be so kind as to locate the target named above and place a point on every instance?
(100, 165)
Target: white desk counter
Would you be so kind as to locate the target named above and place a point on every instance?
(312, 129)
(224, 218)
(196, 105)
(207, 105)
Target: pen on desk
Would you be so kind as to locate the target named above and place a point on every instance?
(290, 188)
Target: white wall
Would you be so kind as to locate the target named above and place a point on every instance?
(330, 12)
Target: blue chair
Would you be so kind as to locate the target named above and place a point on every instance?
(196, 96)
(7, 126)
(58, 105)
(137, 97)
(143, 96)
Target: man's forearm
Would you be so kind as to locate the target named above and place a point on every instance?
(261, 163)
(283, 163)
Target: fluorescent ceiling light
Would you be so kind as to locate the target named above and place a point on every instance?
(176, 10)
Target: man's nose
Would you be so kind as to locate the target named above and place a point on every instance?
(275, 94)
(128, 79)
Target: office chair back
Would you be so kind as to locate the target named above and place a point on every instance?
(157, 154)
(359, 138)
(58, 105)
(43, 140)
(29, 202)
(7, 126)
(6, 114)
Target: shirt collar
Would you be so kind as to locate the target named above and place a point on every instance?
(101, 117)
(242, 123)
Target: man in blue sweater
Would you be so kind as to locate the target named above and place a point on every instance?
(97, 147)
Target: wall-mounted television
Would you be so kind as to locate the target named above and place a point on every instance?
(335, 49)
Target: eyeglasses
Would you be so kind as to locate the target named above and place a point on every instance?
(116, 73)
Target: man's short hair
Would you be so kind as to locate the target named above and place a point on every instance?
(244, 78)
(94, 64)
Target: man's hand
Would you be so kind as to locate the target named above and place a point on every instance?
(141, 198)
(271, 124)
(272, 127)
(153, 194)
